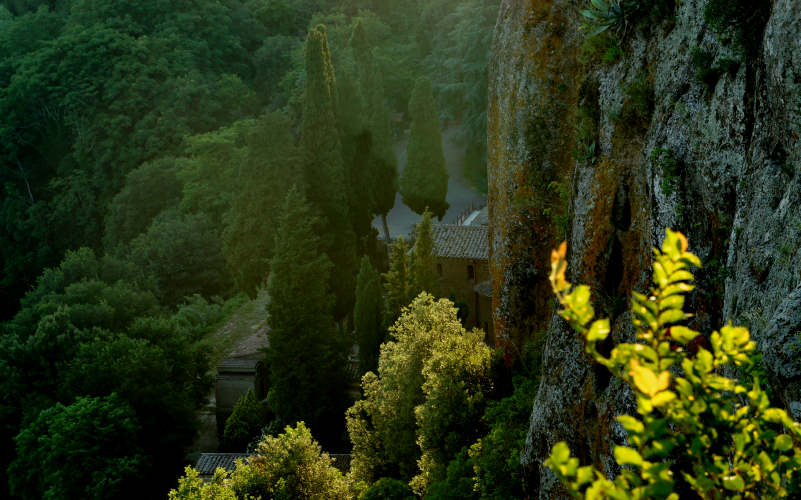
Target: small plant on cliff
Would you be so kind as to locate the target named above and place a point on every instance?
(619, 15)
(732, 444)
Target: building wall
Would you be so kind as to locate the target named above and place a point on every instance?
(454, 278)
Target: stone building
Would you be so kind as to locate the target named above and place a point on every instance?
(462, 255)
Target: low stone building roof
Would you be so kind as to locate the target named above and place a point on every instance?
(208, 463)
(238, 366)
(461, 242)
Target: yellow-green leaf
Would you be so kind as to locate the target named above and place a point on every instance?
(627, 456)
(560, 453)
(733, 483)
(598, 331)
(682, 334)
(647, 381)
(631, 424)
(663, 398)
(783, 442)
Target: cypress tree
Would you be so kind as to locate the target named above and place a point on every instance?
(307, 354)
(324, 170)
(424, 275)
(382, 170)
(368, 315)
(424, 180)
(356, 147)
(398, 280)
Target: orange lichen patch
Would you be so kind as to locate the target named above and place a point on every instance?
(598, 227)
(526, 206)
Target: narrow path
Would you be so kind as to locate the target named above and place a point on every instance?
(401, 219)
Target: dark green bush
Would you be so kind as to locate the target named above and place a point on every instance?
(244, 424)
(388, 488)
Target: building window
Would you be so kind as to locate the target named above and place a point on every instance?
(439, 269)
(471, 274)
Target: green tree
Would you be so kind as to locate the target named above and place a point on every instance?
(356, 145)
(381, 167)
(324, 170)
(307, 353)
(424, 262)
(245, 423)
(698, 433)
(398, 279)
(456, 381)
(88, 449)
(91, 327)
(368, 315)
(424, 179)
(149, 189)
(249, 225)
(291, 465)
(184, 253)
(383, 426)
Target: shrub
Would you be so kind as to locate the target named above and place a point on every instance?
(245, 423)
(619, 15)
(388, 488)
(728, 440)
(427, 396)
(288, 466)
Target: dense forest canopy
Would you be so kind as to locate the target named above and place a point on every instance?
(146, 151)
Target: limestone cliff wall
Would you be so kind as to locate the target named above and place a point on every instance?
(606, 148)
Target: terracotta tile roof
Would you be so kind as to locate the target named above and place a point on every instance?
(461, 242)
(208, 463)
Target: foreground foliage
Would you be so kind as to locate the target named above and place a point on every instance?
(426, 401)
(697, 430)
(291, 465)
(88, 449)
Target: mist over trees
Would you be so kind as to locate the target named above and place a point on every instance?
(158, 161)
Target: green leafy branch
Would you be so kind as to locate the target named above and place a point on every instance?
(732, 444)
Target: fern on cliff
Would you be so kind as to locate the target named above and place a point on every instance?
(732, 443)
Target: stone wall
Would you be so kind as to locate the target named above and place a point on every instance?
(454, 279)
(639, 142)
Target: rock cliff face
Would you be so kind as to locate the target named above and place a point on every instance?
(606, 144)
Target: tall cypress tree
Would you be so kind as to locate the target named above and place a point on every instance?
(307, 354)
(382, 170)
(368, 316)
(356, 145)
(424, 274)
(424, 180)
(398, 280)
(324, 170)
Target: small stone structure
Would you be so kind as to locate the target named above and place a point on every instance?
(462, 260)
(234, 378)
